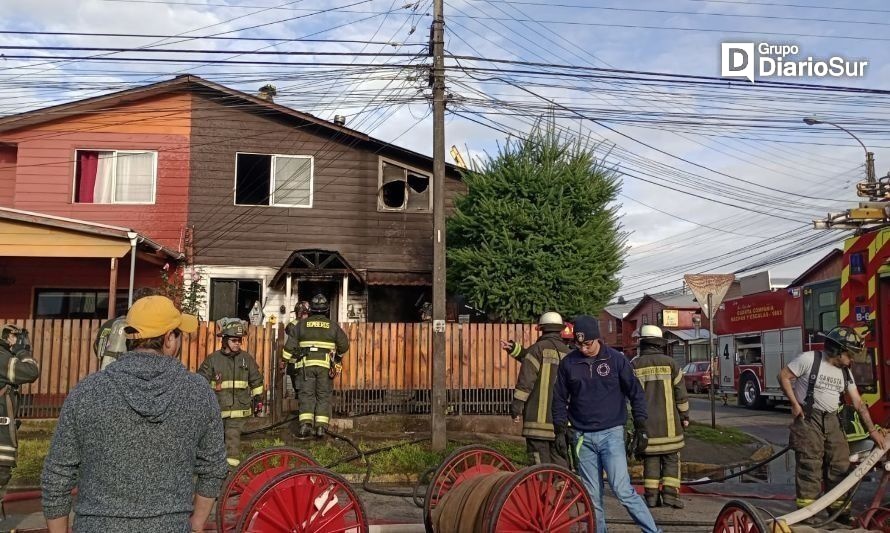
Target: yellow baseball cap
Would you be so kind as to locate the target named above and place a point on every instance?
(154, 316)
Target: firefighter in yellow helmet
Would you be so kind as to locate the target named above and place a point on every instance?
(17, 367)
(237, 381)
(534, 386)
(668, 409)
(316, 346)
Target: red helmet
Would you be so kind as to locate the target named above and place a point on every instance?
(568, 332)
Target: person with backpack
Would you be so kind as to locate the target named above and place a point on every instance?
(815, 382)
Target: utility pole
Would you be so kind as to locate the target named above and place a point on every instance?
(438, 400)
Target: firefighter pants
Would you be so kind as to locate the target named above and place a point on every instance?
(662, 471)
(233, 428)
(292, 373)
(821, 453)
(315, 395)
(542, 451)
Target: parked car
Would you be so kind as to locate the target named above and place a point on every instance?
(697, 376)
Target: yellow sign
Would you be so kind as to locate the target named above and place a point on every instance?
(670, 318)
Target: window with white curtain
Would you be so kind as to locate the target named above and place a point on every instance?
(115, 176)
(275, 180)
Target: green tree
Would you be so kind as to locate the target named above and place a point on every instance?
(538, 230)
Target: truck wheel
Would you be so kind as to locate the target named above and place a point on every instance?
(750, 394)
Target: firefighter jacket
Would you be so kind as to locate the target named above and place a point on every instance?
(15, 370)
(534, 387)
(315, 341)
(236, 379)
(666, 400)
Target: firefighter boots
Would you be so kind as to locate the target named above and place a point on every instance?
(305, 431)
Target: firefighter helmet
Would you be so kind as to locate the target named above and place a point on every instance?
(550, 318)
(231, 327)
(319, 304)
(9, 329)
(652, 335)
(846, 340)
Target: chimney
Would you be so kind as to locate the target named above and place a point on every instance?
(267, 92)
(340, 120)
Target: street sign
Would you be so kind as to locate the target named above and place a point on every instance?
(714, 284)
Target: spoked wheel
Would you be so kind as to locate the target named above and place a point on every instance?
(463, 463)
(738, 517)
(250, 476)
(541, 498)
(308, 500)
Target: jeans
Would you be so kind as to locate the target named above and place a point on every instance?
(600, 451)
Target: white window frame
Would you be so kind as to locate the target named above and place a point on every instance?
(271, 203)
(154, 176)
(383, 207)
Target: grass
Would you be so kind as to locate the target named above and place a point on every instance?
(405, 459)
(720, 435)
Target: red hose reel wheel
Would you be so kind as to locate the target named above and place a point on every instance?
(739, 517)
(463, 463)
(308, 500)
(541, 498)
(251, 475)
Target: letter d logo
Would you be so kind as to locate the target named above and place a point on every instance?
(737, 60)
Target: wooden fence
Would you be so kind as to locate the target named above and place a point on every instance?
(387, 368)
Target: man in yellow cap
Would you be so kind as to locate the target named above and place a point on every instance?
(142, 440)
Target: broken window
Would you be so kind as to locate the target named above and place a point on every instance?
(403, 189)
(277, 180)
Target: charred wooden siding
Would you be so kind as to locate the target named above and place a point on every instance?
(343, 216)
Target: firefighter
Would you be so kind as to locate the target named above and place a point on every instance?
(668, 409)
(815, 383)
(318, 346)
(237, 381)
(301, 311)
(111, 340)
(531, 399)
(17, 367)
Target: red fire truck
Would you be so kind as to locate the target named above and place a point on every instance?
(760, 333)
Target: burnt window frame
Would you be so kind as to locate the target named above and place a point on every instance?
(382, 207)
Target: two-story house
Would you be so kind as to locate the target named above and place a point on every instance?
(270, 204)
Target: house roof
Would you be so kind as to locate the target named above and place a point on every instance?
(830, 256)
(87, 227)
(189, 82)
(678, 301)
(620, 310)
(689, 334)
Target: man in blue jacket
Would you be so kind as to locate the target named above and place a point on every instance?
(593, 385)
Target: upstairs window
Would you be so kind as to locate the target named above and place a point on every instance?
(403, 189)
(274, 180)
(115, 177)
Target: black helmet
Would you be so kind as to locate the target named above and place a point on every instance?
(845, 339)
(319, 304)
(9, 329)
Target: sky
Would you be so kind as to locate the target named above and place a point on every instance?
(717, 175)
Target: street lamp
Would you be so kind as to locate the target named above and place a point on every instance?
(869, 156)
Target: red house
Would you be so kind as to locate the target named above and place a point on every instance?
(678, 315)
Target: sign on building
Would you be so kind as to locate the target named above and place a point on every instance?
(670, 318)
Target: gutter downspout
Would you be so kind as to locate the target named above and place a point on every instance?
(134, 239)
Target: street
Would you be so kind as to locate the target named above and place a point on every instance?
(770, 425)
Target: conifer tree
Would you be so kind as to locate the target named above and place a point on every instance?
(537, 230)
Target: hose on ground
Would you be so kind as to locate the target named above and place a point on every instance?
(740, 473)
(271, 426)
(365, 482)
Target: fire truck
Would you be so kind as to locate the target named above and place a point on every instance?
(760, 333)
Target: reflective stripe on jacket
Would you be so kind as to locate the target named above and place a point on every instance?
(314, 341)
(15, 370)
(235, 379)
(666, 401)
(537, 374)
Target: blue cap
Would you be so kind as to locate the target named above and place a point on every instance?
(587, 328)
